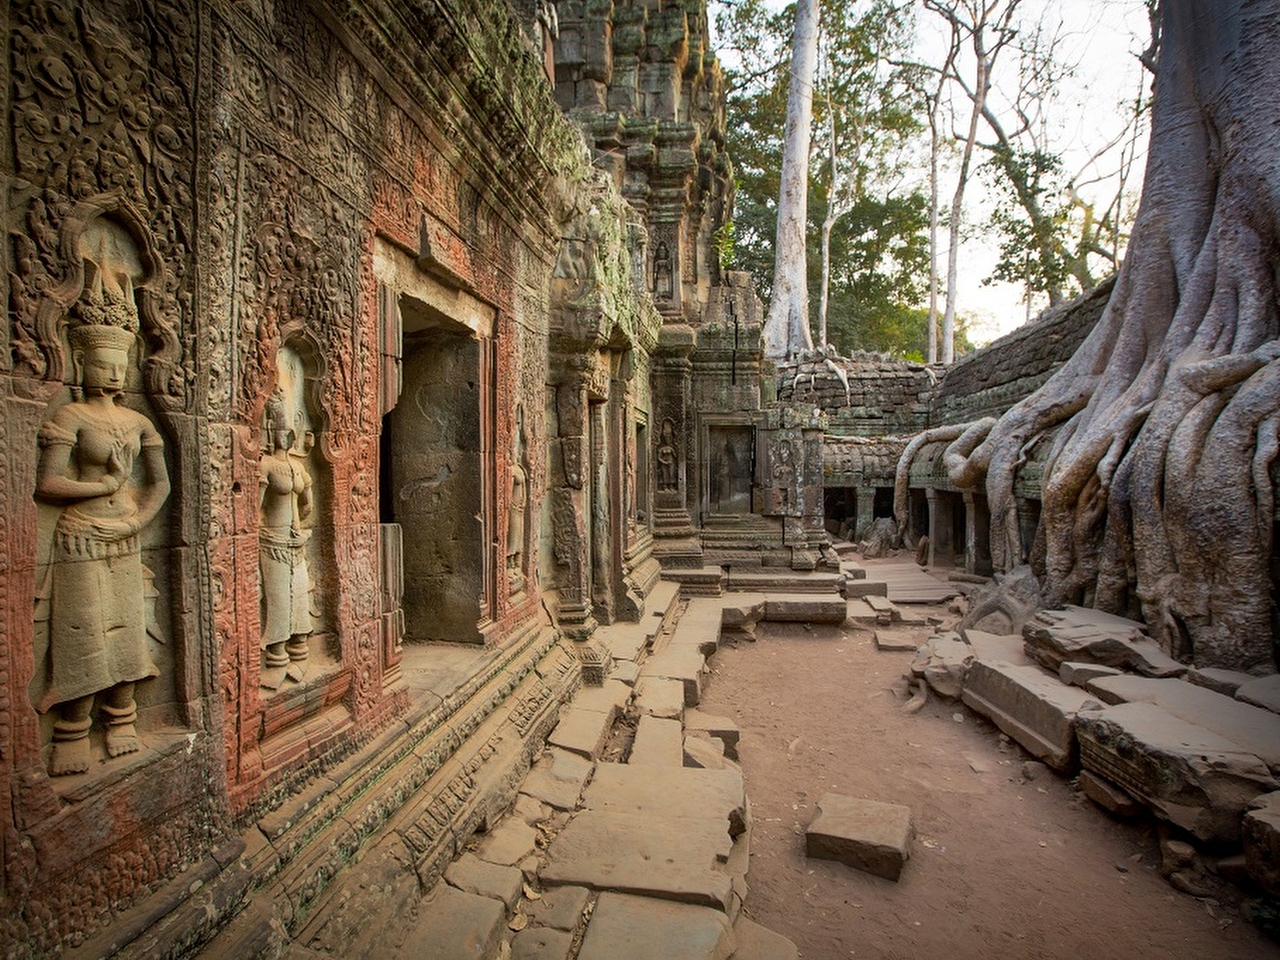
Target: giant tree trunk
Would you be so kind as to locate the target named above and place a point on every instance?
(1158, 494)
(786, 328)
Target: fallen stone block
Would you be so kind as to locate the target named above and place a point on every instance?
(453, 925)
(742, 609)
(760, 943)
(1115, 800)
(470, 874)
(1033, 708)
(707, 753)
(1253, 729)
(1260, 831)
(671, 792)
(1188, 775)
(805, 608)
(853, 589)
(655, 856)
(696, 722)
(1078, 674)
(658, 742)
(942, 661)
(1007, 648)
(891, 640)
(1080, 634)
(1226, 682)
(557, 779)
(865, 834)
(637, 928)
(1262, 692)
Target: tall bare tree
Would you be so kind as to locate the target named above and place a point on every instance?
(786, 328)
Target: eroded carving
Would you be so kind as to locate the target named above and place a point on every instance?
(519, 508)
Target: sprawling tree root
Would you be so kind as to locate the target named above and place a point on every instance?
(1158, 492)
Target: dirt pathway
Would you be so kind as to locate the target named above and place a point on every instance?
(1002, 866)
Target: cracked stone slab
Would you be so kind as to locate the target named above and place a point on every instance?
(541, 943)
(611, 697)
(660, 697)
(508, 843)
(683, 663)
(625, 641)
(558, 907)
(557, 779)
(684, 792)
(868, 835)
(470, 874)
(665, 857)
(658, 743)
(453, 925)
(582, 731)
(712, 725)
(639, 928)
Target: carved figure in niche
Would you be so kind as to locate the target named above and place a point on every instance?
(662, 280)
(668, 457)
(518, 510)
(784, 476)
(285, 486)
(96, 590)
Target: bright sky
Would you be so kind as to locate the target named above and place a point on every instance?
(1101, 37)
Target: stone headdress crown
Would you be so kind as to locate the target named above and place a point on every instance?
(93, 335)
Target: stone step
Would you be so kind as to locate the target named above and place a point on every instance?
(782, 580)
(658, 743)
(860, 612)
(557, 779)
(674, 793)
(704, 581)
(641, 928)
(684, 663)
(452, 925)
(660, 697)
(697, 723)
(470, 874)
(583, 731)
(805, 608)
(865, 588)
(626, 641)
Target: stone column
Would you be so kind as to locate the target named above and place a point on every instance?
(970, 533)
(676, 543)
(865, 511)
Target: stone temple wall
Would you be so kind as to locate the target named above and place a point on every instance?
(251, 248)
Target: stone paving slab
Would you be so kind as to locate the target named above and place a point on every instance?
(508, 843)
(611, 697)
(659, 697)
(582, 731)
(453, 925)
(639, 928)
(1262, 692)
(997, 648)
(684, 792)
(868, 835)
(470, 874)
(683, 663)
(658, 743)
(665, 857)
(625, 641)
(1032, 707)
(889, 640)
(908, 583)
(1190, 776)
(558, 907)
(1253, 729)
(804, 608)
(697, 722)
(626, 671)
(699, 627)
(541, 943)
(557, 779)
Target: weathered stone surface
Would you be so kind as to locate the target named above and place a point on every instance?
(741, 609)
(1080, 634)
(1035, 709)
(1226, 682)
(658, 743)
(470, 874)
(541, 943)
(624, 641)
(701, 750)
(453, 925)
(1253, 729)
(859, 613)
(1261, 692)
(582, 731)
(1108, 796)
(639, 928)
(557, 779)
(665, 857)
(942, 661)
(1260, 831)
(997, 648)
(508, 843)
(660, 697)
(626, 671)
(611, 697)
(1190, 776)
(891, 640)
(558, 907)
(669, 792)
(760, 943)
(696, 722)
(805, 608)
(1079, 674)
(855, 589)
(869, 835)
(683, 663)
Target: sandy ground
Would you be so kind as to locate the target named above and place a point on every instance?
(1002, 866)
